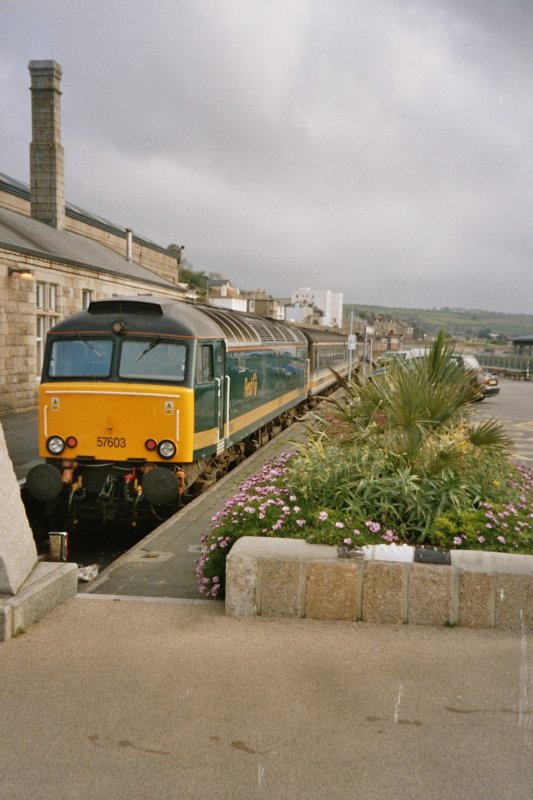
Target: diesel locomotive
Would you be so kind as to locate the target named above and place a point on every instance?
(143, 399)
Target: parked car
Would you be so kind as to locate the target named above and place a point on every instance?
(490, 385)
(487, 383)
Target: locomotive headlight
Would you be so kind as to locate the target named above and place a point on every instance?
(118, 326)
(166, 449)
(55, 445)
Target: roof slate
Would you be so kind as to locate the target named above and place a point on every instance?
(20, 189)
(31, 237)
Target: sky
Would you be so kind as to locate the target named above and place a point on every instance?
(382, 149)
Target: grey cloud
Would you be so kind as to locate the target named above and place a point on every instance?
(380, 149)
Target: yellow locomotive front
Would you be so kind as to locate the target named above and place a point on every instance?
(116, 418)
(115, 422)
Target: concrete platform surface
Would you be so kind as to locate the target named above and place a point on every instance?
(135, 699)
(47, 585)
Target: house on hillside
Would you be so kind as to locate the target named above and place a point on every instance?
(222, 294)
(260, 302)
(55, 257)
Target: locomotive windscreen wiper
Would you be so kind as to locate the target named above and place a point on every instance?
(148, 347)
(89, 345)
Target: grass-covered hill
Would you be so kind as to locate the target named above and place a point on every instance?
(466, 322)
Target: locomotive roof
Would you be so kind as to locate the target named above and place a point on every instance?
(162, 315)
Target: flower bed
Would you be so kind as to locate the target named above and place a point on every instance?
(398, 458)
(268, 505)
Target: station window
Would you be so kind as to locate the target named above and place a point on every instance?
(86, 297)
(46, 300)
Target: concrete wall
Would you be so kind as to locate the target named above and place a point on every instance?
(290, 578)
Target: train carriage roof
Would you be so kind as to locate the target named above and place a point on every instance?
(320, 336)
(147, 314)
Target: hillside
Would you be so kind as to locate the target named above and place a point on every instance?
(459, 321)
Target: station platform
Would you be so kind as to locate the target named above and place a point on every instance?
(162, 564)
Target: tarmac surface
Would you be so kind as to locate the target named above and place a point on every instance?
(20, 431)
(135, 699)
(137, 688)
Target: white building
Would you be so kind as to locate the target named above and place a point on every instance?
(223, 295)
(330, 303)
(299, 314)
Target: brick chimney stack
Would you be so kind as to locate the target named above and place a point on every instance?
(46, 151)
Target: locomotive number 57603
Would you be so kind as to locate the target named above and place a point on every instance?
(110, 441)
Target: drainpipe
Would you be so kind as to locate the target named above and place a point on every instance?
(129, 245)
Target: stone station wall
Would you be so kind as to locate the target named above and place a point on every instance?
(290, 578)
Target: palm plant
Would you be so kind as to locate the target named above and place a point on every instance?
(420, 409)
(402, 447)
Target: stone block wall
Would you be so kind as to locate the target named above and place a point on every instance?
(290, 578)
(13, 202)
(19, 370)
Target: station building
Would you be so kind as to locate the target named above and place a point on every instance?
(55, 257)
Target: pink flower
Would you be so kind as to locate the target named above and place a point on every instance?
(375, 527)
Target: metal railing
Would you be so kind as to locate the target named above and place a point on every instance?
(519, 365)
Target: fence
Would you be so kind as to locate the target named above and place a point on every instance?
(510, 366)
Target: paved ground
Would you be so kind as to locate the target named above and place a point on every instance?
(20, 431)
(131, 699)
(514, 407)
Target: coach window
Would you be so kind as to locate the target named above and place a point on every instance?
(204, 364)
(46, 300)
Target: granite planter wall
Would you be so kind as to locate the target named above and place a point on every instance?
(290, 578)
